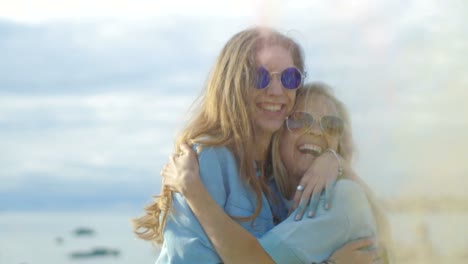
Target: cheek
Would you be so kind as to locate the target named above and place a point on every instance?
(292, 99)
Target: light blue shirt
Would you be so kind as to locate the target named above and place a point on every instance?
(315, 239)
(184, 238)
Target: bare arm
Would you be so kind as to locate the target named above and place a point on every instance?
(232, 242)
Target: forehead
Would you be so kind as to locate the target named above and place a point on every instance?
(318, 104)
(275, 57)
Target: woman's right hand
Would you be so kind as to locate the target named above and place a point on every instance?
(354, 253)
(181, 171)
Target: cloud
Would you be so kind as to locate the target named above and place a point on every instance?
(71, 137)
(101, 56)
(54, 10)
(98, 102)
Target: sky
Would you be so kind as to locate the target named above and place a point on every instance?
(92, 93)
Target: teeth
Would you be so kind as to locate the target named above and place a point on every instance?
(310, 149)
(271, 107)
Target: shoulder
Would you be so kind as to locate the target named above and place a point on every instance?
(217, 165)
(210, 152)
(209, 156)
(351, 200)
(349, 191)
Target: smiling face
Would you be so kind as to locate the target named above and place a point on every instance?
(274, 103)
(299, 150)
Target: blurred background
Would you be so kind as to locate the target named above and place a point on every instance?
(92, 94)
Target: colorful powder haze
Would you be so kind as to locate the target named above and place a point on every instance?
(92, 94)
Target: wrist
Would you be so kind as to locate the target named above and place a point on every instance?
(338, 159)
(191, 188)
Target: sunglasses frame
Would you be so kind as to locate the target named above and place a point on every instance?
(271, 74)
(313, 121)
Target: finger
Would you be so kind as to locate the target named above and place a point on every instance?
(313, 205)
(185, 148)
(305, 200)
(296, 199)
(300, 210)
(192, 154)
(305, 182)
(329, 188)
(164, 174)
(165, 182)
(316, 194)
(164, 168)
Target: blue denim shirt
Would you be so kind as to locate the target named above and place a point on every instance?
(184, 238)
(315, 239)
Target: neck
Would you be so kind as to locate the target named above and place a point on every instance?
(262, 143)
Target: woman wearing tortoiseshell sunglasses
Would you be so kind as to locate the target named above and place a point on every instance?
(319, 123)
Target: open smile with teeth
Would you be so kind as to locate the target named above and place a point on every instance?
(310, 149)
(272, 107)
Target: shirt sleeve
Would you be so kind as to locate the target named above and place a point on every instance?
(184, 238)
(315, 239)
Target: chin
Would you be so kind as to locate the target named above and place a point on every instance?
(305, 163)
(270, 127)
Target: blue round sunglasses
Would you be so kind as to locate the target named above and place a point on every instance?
(291, 78)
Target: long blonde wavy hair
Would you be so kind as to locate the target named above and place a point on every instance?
(286, 184)
(223, 117)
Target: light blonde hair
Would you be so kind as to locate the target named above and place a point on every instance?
(223, 117)
(287, 186)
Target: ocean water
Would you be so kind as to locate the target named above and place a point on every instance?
(32, 237)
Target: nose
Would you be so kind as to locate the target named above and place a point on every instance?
(275, 87)
(315, 129)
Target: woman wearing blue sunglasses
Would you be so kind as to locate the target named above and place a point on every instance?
(250, 91)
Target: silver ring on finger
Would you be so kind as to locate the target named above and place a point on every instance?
(300, 188)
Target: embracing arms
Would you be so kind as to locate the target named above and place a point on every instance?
(232, 242)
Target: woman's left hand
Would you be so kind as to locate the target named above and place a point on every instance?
(322, 174)
(181, 171)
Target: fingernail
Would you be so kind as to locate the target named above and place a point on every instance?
(327, 206)
(311, 214)
(297, 218)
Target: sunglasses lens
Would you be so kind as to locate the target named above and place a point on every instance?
(332, 125)
(263, 78)
(297, 122)
(291, 78)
